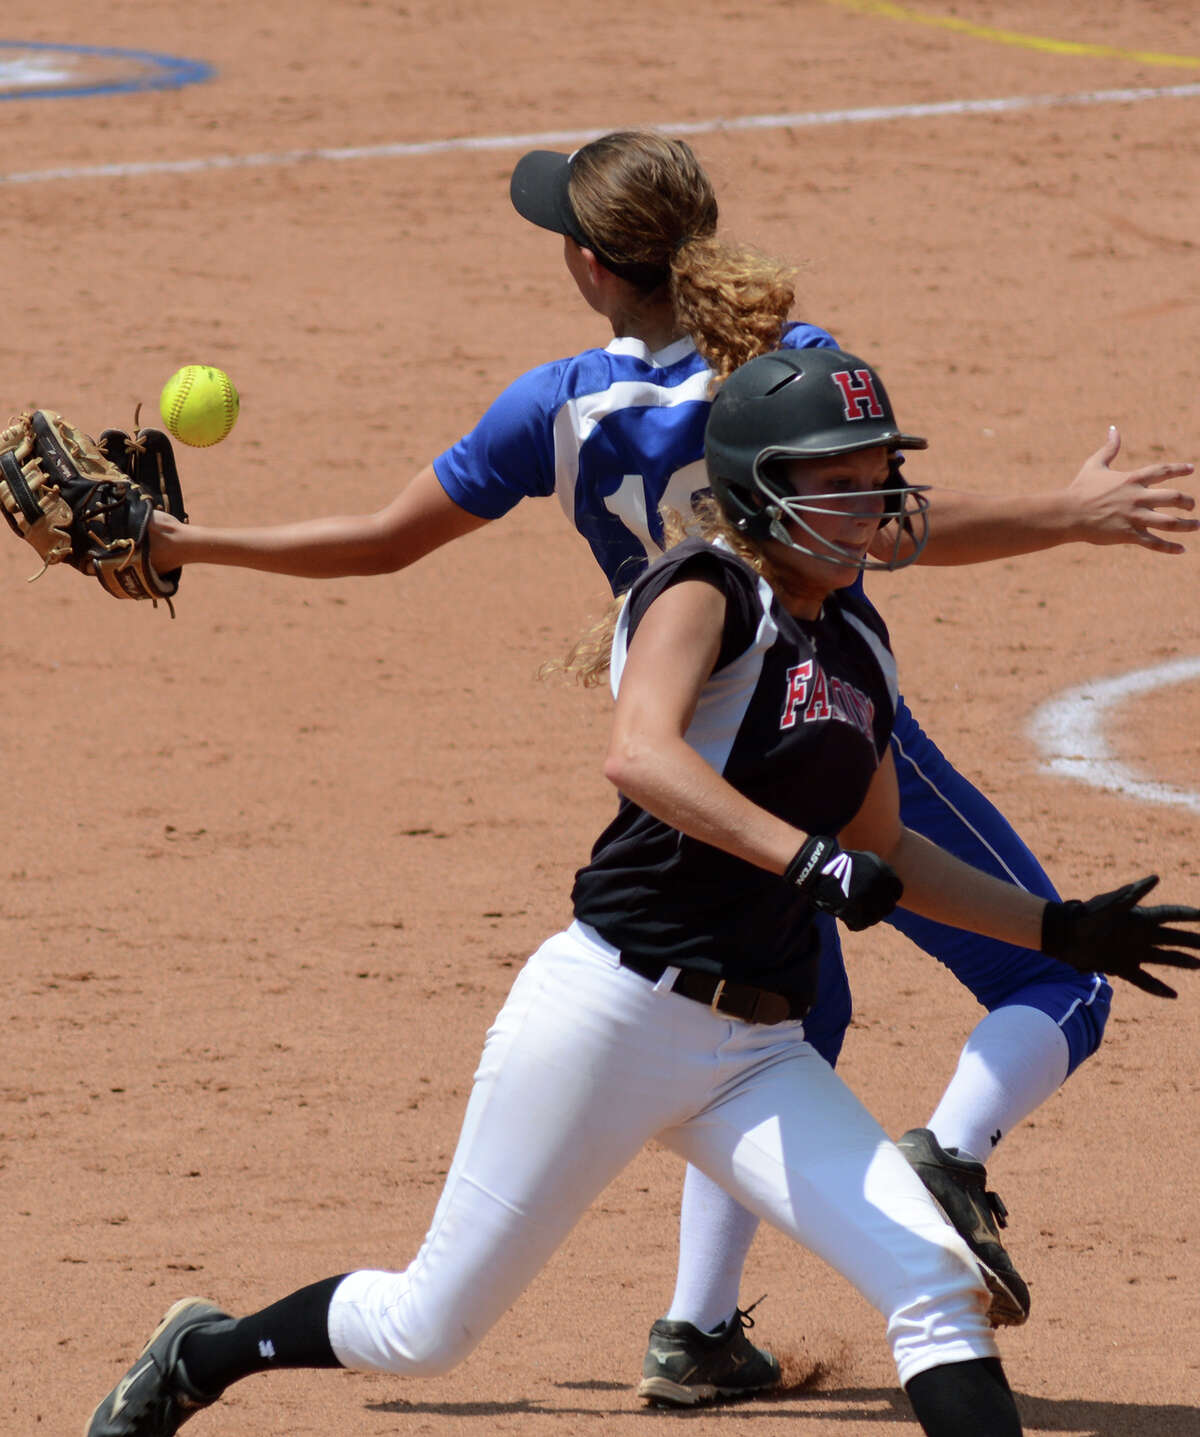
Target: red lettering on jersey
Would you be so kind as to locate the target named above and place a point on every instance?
(861, 709)
(818, 705)
(820, 699)
(797, 692)
(859, 399)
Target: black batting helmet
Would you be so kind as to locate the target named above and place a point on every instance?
(802, 404)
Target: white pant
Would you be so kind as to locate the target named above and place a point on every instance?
(585, 1062)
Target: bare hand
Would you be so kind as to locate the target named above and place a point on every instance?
(1115, 507)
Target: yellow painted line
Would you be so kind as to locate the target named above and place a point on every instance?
(1013, 37)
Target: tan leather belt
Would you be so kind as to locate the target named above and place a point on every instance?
(722, 995)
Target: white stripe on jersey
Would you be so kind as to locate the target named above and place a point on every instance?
(578, 417)
(727, 694)
(883, 657)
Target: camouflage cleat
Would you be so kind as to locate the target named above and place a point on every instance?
(959, 1187)
(684, 1366)
(155, 1398)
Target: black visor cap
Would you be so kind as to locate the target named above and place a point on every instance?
(539, 193)
(538, 190)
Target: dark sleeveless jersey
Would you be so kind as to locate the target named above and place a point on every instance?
(796, 716)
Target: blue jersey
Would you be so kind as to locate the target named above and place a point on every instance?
(613, 432)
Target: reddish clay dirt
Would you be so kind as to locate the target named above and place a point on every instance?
(271, 866)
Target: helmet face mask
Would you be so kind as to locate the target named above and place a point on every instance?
(807, 404)
(904, 507)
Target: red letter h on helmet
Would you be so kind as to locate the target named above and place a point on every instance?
(859, 400)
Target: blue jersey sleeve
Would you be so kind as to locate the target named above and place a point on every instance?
(797, 335)
(509, 455)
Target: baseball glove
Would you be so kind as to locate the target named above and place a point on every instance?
(89, 504)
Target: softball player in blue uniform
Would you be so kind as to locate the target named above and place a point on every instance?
(755, 695)
(616, 434)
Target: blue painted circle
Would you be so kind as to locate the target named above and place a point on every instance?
(102, 71)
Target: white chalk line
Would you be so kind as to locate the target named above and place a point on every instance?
(1069, 733)
(875, 114)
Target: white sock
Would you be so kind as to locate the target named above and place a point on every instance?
(715, 1233)
(1012, 1062)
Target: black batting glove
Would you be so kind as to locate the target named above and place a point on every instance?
(1111, 934)
(857, 887)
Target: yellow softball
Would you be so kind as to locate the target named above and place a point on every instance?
(199, 404)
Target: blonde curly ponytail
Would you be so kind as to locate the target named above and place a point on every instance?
(732, 300)
(647, 204)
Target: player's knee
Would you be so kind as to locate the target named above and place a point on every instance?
(412, 1353)
(424, 1347)
(1076, 1003)
(428, 1359)
(378, 1324)
(1084, 1025)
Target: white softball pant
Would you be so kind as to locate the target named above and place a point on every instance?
(585, 1062)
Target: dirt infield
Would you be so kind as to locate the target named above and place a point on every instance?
(271, 866)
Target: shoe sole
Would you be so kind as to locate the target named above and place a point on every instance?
(168, 1317)
(1006, 1310)
(678, 1394)
(675, 1394)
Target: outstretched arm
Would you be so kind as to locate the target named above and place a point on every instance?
(1101, 505)
(936, 884)
(1112, 933)
(649, 760)
(420, 519)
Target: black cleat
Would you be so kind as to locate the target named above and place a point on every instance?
(684, 1366)
(959, 1187)
(155, 1398)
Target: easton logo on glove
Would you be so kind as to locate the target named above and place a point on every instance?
(89, 504)
(853, 885)
(840, 869)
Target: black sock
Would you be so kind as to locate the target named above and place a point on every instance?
(293, 1332)
(962, 1397)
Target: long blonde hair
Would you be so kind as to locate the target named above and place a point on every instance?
(645, 200)
(587, 661)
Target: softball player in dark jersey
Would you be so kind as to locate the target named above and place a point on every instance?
(616, 432)
(755, 696)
